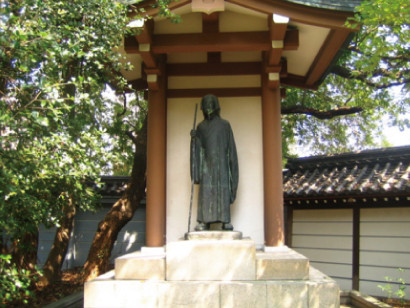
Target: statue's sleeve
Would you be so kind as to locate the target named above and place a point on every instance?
(233, 166)
(195, 158)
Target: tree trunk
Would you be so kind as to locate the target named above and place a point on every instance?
(24, 251)
(55, 259)
(120, 214)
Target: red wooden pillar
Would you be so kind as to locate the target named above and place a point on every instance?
(156, 160)
(272, 162)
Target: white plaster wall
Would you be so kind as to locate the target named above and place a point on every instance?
(244, 114)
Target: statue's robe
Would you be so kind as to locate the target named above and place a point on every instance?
(214, 165)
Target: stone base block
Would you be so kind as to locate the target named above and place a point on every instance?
(284, 264)
(107, 292)
(210, 260)
(324, 291)
(318, 292)
(140, 266)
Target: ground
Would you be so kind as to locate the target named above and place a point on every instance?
(396, 303)
(72, 281)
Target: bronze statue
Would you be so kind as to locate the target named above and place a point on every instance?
(214, 165)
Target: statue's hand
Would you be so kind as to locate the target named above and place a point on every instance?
(193, 133)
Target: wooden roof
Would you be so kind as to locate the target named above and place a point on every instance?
(375, 176)
(299, 51)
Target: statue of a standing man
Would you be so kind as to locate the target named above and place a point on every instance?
(214, 165)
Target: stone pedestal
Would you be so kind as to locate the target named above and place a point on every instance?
(222, 271)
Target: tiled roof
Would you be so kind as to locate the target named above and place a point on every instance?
(382, 172)
(372, 176)
(341, 5)
(113, 187)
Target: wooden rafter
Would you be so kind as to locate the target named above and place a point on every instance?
(327, 53)
(277, 34)
(144, 39)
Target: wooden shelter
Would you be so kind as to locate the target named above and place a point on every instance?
(242, 51)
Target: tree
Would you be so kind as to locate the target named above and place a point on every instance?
(369, 83)
(132, 122)
(56, 59)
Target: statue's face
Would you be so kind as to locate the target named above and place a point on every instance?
(208, 107)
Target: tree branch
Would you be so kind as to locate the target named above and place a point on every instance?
(347, 73)
(402, 57)
(132, 137)
(320, 114)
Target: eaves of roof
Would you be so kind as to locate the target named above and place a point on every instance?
(382, 173)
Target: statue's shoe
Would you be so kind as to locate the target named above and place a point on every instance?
(227, 227)
(202, 227)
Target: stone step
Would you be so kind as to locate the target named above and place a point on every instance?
(147, 264)
(319, 291)
(221, 260)
(281, 264)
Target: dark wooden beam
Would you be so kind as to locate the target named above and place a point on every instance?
(144, 34)
(210, 24)
(356, 249)
(138, 84)
(288, 225)
(144, 39)
(220, 92)
(277, 35)
(131, 44)
(214, 42)
(296, 81)
(211, 42)
(327, 53)
(214, 69)
(218, 42)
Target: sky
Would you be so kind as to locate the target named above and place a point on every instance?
(397, 137)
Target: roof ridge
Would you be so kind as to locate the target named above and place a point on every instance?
(348, 158)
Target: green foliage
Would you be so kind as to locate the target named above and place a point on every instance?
(391, 284)
(15, 284)
(383, 41)
(128, 115)
(372, 74)
(56, 59)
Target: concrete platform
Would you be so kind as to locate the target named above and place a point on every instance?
(212, 274)
(317, 292)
